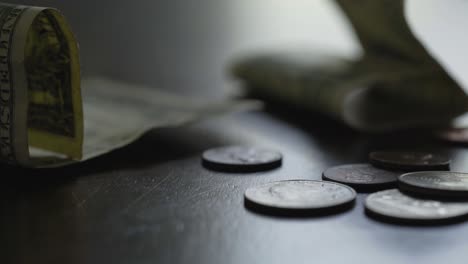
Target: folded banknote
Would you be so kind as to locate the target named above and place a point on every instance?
(395, 84)
(46, 121)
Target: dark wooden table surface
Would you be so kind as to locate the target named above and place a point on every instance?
(153, 202)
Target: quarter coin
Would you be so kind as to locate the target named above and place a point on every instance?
(394, 205)
(299, 196)
(436, 183)
(241, 159)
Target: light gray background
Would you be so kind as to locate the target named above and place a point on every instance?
(134, 40)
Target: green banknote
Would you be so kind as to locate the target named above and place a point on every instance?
(45, 122)
(395, 84)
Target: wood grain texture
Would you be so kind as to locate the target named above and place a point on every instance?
(167, 208)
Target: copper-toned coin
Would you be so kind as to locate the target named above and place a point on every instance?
(409, 161)
(362, 177)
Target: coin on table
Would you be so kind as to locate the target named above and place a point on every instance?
(409, 161)
(362, 177)
(394, 205)
(435, 183)
(300, 196)
(241, 159)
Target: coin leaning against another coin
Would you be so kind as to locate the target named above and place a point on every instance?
(435, 183)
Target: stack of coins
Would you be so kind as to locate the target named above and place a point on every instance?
(407, 187)
(427, 192)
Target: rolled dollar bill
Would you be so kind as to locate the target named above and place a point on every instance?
(40, 97)
(43, 120)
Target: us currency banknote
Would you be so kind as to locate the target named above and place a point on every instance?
(395, 84)
(117, 113)
(45, 122)
(40, 102)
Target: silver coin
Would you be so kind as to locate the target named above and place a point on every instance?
(362, 177)
(241, 158)
(440, 183)
(301, 195)
(394, 204)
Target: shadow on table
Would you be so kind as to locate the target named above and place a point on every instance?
(156, 147)
(276, 212)
(340, 140)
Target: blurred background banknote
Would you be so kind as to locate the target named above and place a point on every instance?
(394, 84)
(44, 122)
